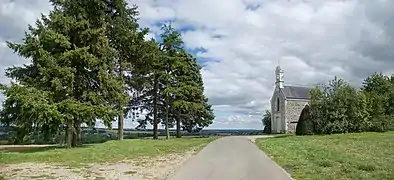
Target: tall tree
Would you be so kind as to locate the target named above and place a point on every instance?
(184, 88)
(71, 79)
(172, 61)
(160, 75)
(126, 39)
(198, 113)
(146, 84)
(178, 87)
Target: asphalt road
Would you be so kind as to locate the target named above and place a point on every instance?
(230, 158)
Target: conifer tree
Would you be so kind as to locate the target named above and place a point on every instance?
(176, 89)
(197, 112)
(172, 61)
(146, 85)
(184, 88)
(71, 79)
(126, 39)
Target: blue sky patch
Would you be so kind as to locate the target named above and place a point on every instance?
(252, 7)
(194, 51)
(186, 28)
(204, 61)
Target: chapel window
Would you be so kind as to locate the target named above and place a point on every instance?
(277, 104)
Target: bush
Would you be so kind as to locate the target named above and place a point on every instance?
(305, 124)
(97, 138)
(340, 108)
(381, 124)
(267, 122)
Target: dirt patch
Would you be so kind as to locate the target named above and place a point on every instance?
(142, 169)
(16, 148)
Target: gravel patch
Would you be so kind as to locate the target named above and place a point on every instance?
(143, 169)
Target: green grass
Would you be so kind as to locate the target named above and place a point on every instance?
(343, 156)
(108, 152)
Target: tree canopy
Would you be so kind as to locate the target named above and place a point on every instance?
(90, 61)
(340, 108)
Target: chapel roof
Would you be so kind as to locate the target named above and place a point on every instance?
(296, 92)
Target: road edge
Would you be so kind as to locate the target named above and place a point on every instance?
(253, 140)
(170, 175)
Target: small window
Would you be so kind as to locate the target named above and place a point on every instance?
(277, 104)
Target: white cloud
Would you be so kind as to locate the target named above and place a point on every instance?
(149, 36)
(315, 41)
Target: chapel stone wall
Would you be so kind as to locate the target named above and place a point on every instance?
(278, 117)
(293, 112)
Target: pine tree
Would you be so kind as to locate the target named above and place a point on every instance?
(197, 112)
(126, 39)
(174, 89)
(71, 79)
(146, 84)
(192, 111)
(159, 78)
(172, 61)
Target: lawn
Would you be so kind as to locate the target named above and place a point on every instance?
(342, 156)
(108, 152)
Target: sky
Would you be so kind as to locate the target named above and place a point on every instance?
(239, 44)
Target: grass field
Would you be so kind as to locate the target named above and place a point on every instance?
(343, 156)
(111, 151)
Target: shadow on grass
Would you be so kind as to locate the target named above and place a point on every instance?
(288, 168)
(32, 149)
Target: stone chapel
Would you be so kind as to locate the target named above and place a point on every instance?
(287, 103)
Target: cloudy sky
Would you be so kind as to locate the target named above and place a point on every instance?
(239, 42)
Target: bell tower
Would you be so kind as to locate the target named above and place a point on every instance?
(279, 77)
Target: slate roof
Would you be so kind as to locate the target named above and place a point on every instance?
(296, 92)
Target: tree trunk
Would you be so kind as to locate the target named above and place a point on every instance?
(65, 135)
(69, 134)
(120, 116)
(75, 124)
(74, 141)
(166, 119)
(120, 124)
(178, 125)
(155, 100)
(76, 135)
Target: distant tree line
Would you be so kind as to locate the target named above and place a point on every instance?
(338, 107)
(100, 135)
(90, 62)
